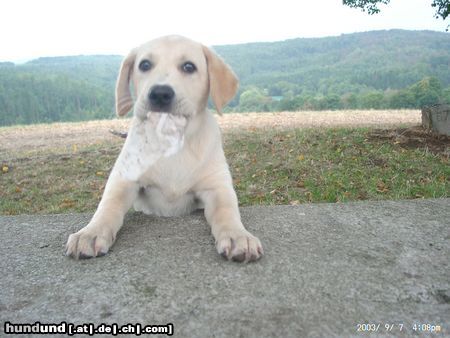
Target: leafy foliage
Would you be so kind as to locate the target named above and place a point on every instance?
(371, 6)
(366, 5)
(380, 69)
(443, 8)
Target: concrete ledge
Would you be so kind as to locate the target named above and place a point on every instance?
(327, 268)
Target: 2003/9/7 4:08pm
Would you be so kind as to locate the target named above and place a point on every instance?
(388, 327)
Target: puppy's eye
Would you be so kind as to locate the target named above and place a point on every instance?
(145, 65)
(188, 67)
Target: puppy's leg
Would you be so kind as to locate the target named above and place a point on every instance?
(96, 238)
(233, 241)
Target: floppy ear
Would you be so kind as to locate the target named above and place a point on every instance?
(124, 101)
(223, 83)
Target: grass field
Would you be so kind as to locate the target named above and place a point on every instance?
(60, 172)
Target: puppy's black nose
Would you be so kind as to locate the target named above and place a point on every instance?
(161, 97)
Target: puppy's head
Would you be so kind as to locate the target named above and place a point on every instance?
(174, 75)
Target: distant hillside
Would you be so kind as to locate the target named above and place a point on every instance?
(99, 70)
(375, 60)
(379, 69)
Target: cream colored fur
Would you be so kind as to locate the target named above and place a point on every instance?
(195, 176)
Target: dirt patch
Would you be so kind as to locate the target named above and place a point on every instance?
(415, 137)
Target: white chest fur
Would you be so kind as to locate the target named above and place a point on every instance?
(157, 136)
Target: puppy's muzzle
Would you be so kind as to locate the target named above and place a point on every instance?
(161, 98)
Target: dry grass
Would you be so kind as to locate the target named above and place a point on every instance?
(25, 141)
(314, 119)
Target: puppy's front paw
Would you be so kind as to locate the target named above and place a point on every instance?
(239, 246)
(88, 243)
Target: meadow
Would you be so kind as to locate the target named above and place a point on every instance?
(275, 158)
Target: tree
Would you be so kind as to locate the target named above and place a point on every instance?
(446, 96)
(372, 100)
(427, 91)
(253, 99)
(366, 5)
(443, 8)
(402, 99)
(371, 6)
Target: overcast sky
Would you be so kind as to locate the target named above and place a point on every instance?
(34, 28)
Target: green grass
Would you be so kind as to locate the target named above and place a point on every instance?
(57, 183)
(331, 165)
(268, 167)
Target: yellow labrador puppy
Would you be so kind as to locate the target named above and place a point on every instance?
(172, 161)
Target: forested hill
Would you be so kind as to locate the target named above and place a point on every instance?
(376, 60)
(379, 69)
